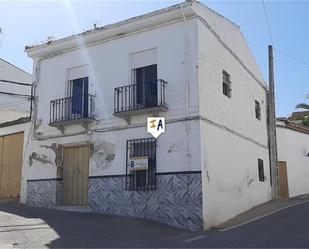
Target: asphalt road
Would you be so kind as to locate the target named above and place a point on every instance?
(26, 227)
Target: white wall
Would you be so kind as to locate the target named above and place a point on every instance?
(293, 146)
(13, 107)
(232, 138)
(230, 175)
(109, 65)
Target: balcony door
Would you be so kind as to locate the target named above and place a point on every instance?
(79, 94)
(146, 86)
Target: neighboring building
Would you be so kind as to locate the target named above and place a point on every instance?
(13, 107)
(94, 92)
(293, 156)
(14, 120)
(298, 117)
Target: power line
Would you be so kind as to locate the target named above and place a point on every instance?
(272, 41)
(267, 22)
(17, 94)
(15, 82)
(292, 57)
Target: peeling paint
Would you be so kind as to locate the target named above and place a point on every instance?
(250, 181)
(38, 157)
(104, 154)
(171, 148)
(110, 158)
(58, 153)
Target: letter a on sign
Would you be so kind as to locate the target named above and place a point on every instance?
(156, 126)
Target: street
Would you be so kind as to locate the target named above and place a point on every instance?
(27, 227)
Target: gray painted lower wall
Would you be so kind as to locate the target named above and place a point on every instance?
(177, 201)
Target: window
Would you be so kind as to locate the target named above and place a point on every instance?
(141, 164)
(144, 77)
(227, 90)
(261, 170)
(257, 110)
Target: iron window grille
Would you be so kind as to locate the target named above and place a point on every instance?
(227, 85)
(141, 178)
(261, 170)
(258, 110)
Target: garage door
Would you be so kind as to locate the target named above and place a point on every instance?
(11, 153)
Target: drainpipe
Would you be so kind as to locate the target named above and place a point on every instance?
(187, 83)
(34, 85)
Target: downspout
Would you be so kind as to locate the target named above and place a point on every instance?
(35, 84)
(187, 83)
(31, 102)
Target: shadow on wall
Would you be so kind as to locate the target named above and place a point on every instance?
(85, 230)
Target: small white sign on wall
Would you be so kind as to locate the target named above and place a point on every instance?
(138, 163)
(156, 126)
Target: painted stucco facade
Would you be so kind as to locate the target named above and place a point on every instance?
(233, 139)
(293, 148)
(206, 162)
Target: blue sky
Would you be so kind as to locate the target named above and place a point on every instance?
(25, 23)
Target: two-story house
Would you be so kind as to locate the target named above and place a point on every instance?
(93, 93)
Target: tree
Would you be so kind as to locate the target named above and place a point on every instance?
(306, 107)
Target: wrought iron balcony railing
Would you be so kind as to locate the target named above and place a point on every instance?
(133, 97)
(70, 109)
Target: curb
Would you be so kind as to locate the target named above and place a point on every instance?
(262, 216)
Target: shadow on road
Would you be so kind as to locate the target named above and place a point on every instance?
(91, 230)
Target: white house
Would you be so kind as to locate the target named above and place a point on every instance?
(93, 93)
(15, 92)
(293, 156)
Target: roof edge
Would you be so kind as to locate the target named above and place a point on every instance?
(16, 66)
(109, 31)
(15, 122)
(288, 125)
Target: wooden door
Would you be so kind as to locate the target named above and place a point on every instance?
(283, 180)
(75, 175)
(11, 154)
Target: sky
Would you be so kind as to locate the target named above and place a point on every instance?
(31, 22)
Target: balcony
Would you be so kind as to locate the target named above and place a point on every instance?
(139, 99)
(71, 110)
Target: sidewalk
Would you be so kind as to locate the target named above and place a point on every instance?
(261, 211)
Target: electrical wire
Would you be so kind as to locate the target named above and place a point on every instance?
(15, 82)
(267, 22)
(272, 41)
(292, 57)
(17, 94)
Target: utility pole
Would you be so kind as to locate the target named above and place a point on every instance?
(272, 137)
